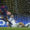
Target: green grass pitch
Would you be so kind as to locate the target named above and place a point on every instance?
(8, 28)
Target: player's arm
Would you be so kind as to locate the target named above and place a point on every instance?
(7, 19)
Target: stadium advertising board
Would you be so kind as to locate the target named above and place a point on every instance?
(3, 23)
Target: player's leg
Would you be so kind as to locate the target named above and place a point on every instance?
(8, 21)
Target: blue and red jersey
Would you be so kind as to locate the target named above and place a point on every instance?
(3, 10)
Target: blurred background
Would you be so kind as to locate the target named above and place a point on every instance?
(19, 6)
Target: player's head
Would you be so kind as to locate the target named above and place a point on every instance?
(8, 13)
(11, 16)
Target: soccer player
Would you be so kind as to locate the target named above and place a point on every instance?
(12, 20)
(4, 10)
